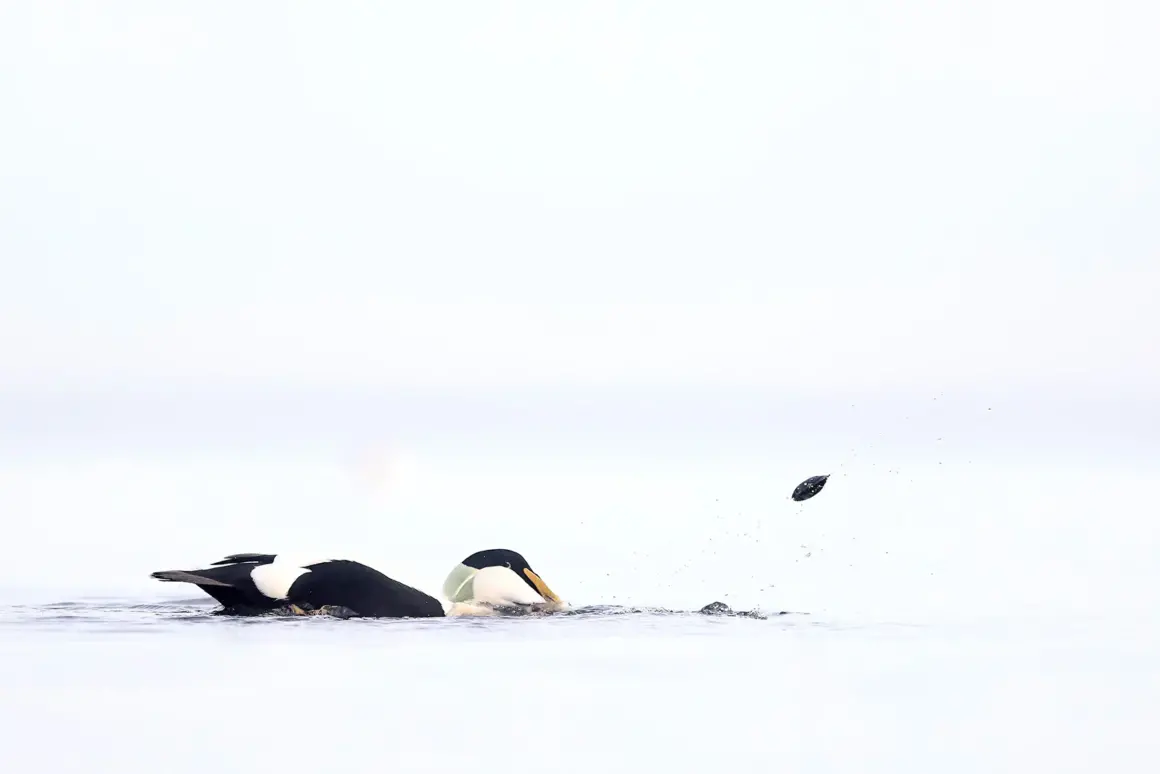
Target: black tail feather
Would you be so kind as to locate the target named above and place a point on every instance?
(228, 581)
(181, 576)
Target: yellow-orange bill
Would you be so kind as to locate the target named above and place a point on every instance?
(541, 587)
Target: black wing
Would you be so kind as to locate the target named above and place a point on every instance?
(248, 558)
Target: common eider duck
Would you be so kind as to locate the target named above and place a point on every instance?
(482, 584)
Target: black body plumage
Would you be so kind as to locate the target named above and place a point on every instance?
(810, 487)
(344, 585)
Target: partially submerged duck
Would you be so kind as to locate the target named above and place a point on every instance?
(484, 583)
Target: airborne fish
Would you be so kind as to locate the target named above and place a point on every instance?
(810, 487)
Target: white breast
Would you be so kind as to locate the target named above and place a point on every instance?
(453, 609)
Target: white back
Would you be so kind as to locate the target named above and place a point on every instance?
(274, 580)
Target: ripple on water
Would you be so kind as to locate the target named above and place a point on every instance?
(136, 615)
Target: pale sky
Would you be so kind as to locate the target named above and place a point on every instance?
(798, 232)
(792, 199)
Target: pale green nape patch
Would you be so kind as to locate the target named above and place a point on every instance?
(459, 586)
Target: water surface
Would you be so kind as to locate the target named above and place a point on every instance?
(147, 685)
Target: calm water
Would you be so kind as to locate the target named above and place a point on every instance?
(137, 686)
(949, 617)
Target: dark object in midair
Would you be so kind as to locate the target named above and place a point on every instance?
(810, 487)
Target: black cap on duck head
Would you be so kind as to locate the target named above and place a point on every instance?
(502, 557)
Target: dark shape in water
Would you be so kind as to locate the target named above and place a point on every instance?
(810, 487)
(720, 608)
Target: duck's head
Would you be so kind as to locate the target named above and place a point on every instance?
(500, 578)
